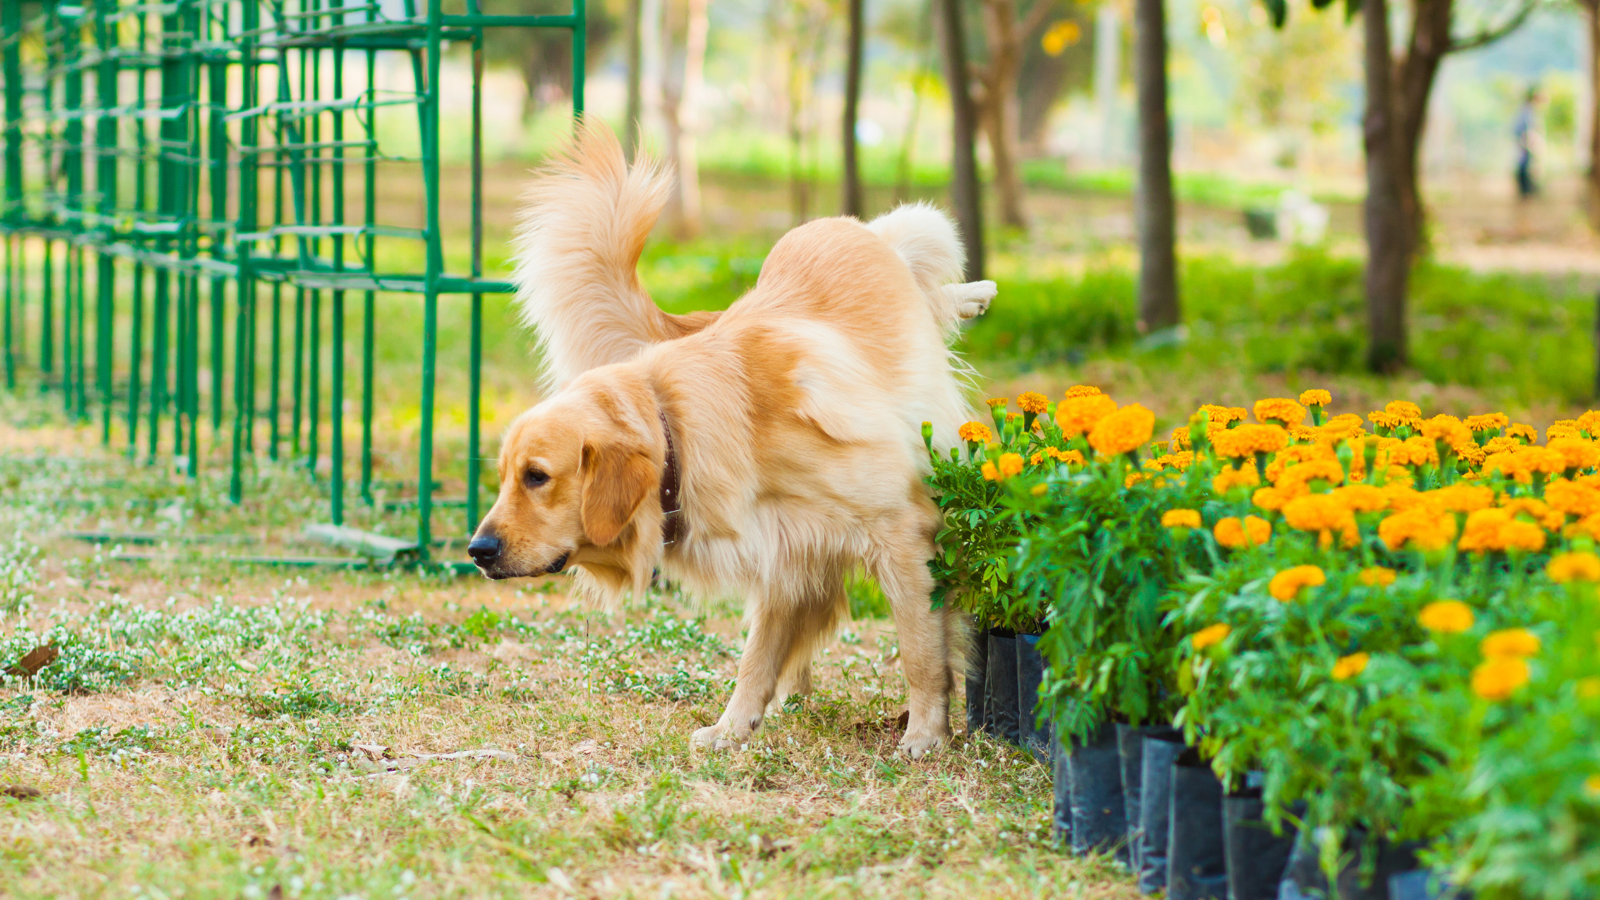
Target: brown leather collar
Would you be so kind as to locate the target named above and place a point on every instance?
(671, 502)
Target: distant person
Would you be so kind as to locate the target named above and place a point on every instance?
(1526, 132)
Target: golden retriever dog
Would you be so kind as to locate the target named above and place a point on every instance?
(765, 451)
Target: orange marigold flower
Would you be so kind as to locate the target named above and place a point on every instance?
(1447, 616)
(1501, 445)
(1362, 497)
(1123, 431)
(1288, 584)
(1499, 678)
(1524, 433)
(1377, 576)
(1517, 642)
(1324, 515)
(1282, 410)
(1590, 422)
(1210, 635)
(976, 433)
(1461, 498)
(1578, 452)
(1403, 409)
(1032, 402)
(1383, 419)
(989, 472)
(1082, 390)
(1588, 526)
(1579, 566)
(1236, 535)
(1078, 415)
(1132, 479)
(1223, 415)
(1070, 457)
(1010, 464)
(1471, 452)
(1248, 440)
(1419, 528)
(1572, 497)
(1181, 518)
(1036, 458)
(1316, 397)
(1447, 429)
(1488, 422)
(1495, 529)
(1230, 478)
(1557, 431)
(997, 402)
(1348, 423)
(1416, 451)
(1269, 498)
(1303, 474)
(1349, 666)
(1180, 438)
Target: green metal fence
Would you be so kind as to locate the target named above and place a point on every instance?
(185, 168)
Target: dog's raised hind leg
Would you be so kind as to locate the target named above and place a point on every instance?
(971, 299)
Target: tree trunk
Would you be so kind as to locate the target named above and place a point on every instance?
(852, 200)
(1592, 172)
(686, 121)
(1388, 257)
(999, 112)
(1158, 265)
(965, 190)
(635, 108)
(1430, 41)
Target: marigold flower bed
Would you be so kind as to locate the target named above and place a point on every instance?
(1389, 622)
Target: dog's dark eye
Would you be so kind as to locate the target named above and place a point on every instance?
(534, 478)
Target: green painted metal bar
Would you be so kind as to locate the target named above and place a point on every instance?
(475, 361)
(369, 215)
(106, 97)
(249, 185)
(336, 371)
(435, 267)
(217, 176)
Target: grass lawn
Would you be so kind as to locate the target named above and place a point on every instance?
(216, 729)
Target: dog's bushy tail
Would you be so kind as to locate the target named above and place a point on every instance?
(584, 224)
(925, 237)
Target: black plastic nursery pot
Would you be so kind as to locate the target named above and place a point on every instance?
(1030, 672)
(1099, 823)
(1256, 857)
(1000, 686)
(1423, 884)
(977, 672)
(1197, 867)
(1130, 751)
(1158, 753)
(1303, 878)
(1060, 773)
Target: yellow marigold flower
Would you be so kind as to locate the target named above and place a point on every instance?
(1501, 445)
(1580, 566)
(1236, 535)
(1590, 422)
(1230, 478)
(1180, 438)
(1416, 451)
(990, 473)
(1282, 410)
(1348, 423)
(1288, 584)
(1210, 635)
(1181, 518)
(1448, 429)
(976, 433)
(1524, 433)
(1591, 786)
(1316, 397)
(1081, 390)
(1303, 474)
(1349, 666)
(1471, 452)
(1589, 688)
(1499, 678)
(1556, 432)
(1031, 402)
(1132, 479)
(1518, 642)
(1488, 422)
(1079, 415)
(1039, 489)
(1377, 576)
(1010, 464)
(1383, 419)
(1036, 458)
(1071, 457)
(1248, 440)
(997, 402)
(1403, 409)
(1579, 453)
(1447, 616)
(1125, 430)
(1362, 497)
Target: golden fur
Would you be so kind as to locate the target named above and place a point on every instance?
(795, 417)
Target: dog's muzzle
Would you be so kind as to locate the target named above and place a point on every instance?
(558, 565)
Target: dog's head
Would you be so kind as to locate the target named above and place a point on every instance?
(574, 474)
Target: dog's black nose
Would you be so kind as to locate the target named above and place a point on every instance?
(484, 549)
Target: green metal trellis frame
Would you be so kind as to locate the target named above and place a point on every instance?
(118, 112)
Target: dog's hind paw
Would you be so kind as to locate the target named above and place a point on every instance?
(716, 737)
(972, 299)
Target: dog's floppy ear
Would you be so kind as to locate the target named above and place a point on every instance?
(616, 479)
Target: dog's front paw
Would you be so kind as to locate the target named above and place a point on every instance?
(917, 744)
(720, 737)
